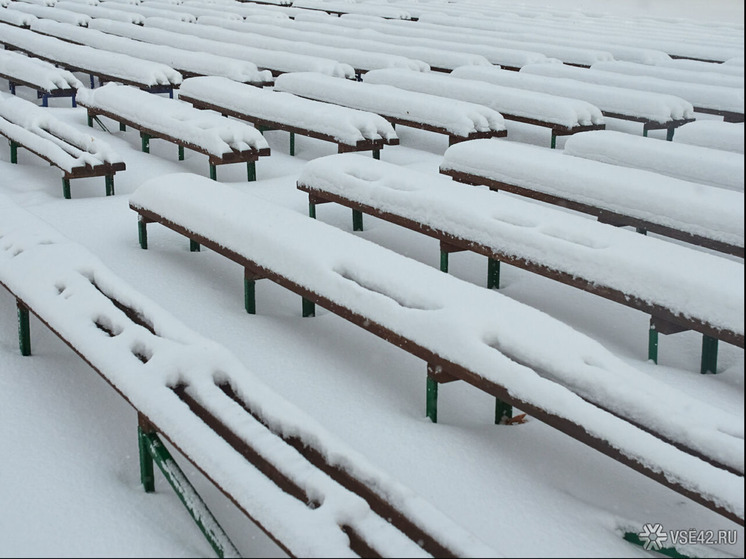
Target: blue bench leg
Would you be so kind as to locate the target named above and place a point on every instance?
(493, 273)
(142, 232)
(12, 87)
(709, 355)
(24, 329)
(431, 397)
(74, 101)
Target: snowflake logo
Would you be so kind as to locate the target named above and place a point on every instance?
(652, 536)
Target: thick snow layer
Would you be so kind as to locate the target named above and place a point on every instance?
(195, 10)
(457, 117)
(543, 107)
(212, 132)
(711, 212)
(703, 96)
(201, 63)
(73, 292)
(99, 11)
(41, 74)
(346, 125)
(262, 57)
(353, 57)
(14, 17)
(89, 59)
(687, 162)
(40, 131)
(714, 134)
(653, 107)
(374, 8)
(667, 73)
(145, 11)
(244, 9)
(481, 330)
(51, 13)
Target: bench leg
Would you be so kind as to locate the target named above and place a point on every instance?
(109, 180)
(74, 101)
(553, 143)
(213, 172)
(145, 142)
(431, 399)
(503, 411)
(89, 120)
(645, 132)
(181, 153)
(142, 232)
(292, 143)
(12, 87)
(93, 81)
(44, 100)
(66, 188)
(312, 210)
(493, 273)
(147, 475)
(641, 230)
(13, 152)
(193, 246)
(709, 355)
(669, 134)
(357, 220)
(653, 344)
(251, 171)
(24, 329)
(377, 154)
(249, 292)
(122, 127)
(444, 261)
(309, 308)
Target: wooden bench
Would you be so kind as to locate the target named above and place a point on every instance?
(462, 331)
(309, 491)
(726, 136)
(76, 155)
(597, 258)
(223, 141)
(561, 115)
(46, 79)
(106, 66)
(654, 111)
(349, 129)
(458, 120)
(694, 213)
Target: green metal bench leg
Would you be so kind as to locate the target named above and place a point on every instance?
(122, 127)
(24, 329)
(312, 210)
(181, 153)
(443, 261)
(641, 230)
(251, 171)
(249, 294)
(13, 152)
(147, 475)
(431, 399)
(376, 154)
(709, 355)
(503, 411)
(193, 246)
(357, 220)
(145, 141)
(493, 273)
(653, 344)
(109, 179)
(213, 172)
(634, 539)
(66, 188)
(90, 121)
(142, 232)
(645, 132)
(553, 143)
(669, 134)
(151, 445)
(292, 143)
(309, 308)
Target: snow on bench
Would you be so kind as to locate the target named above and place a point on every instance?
(107, 66)
(186, 63)
(47, 12)
(687, 162)
(641, 272)
(76, 155)
(695, 213)
(144, 10)
(46, 79)
(99, 11)
(275, 62)
(713, 134)
(309, 491)
(727, 102)
(699, 67)
(562, 115)
(668, 73)
(222, 140)
(14, 17)
(360, 60)
(350, 129)
(462, 331)
(435, 56)
(376, 29)
(197, 10)
(457, 119)
(338, 8)
(654, 110)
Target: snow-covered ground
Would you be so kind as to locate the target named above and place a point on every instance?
(69, 474)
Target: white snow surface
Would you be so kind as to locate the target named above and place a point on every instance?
(687, 162)
(346, 125)
(715, 134)
(457, 117)
(703, 210)
(48, 12)
(43, 75)
(98, 11)
(681, 75)
(552, 109)
(214, 133)
(621, 101)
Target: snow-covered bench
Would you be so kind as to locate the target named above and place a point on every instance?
(462, 331)
(673, 284)
(713, 134)
(698, 164)
(694, 213)
(562, 115)
(727, 102)
(222, 140)
(45, 78)
(106, 66)
(654, 110)
(458, 120)
(350, 129)
(186, 63)
(77, 155)
(312, 493)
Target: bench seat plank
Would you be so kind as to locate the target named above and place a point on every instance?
(47, 79)
(466, 331)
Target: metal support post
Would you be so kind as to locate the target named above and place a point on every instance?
(709, 355)
(142, 232)
(66, 188)
(493, 273)
(109, 180)
(357, 220)
(251, 171)
(431, 397)
(24, 329)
